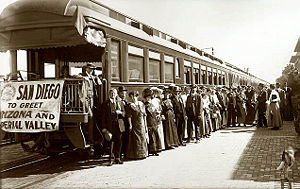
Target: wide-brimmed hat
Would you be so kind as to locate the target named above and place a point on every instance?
(122, 88)
(147, 92)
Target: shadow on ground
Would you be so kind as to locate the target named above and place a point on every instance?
(262, 155)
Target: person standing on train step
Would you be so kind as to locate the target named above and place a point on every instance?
(114, 124)
(122, 94)
(91, 83)
(262, 106)
(192, 106)
(180, 114)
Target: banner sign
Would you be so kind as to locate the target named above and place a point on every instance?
(30, 107)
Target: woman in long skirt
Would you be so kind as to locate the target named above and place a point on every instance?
(250, 106)
(170, 129)
(274, 118)
(137, 140)
(240, 107)
(156, 101)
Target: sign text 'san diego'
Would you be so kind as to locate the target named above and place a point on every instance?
(30, 107)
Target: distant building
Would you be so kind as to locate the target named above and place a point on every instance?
(296, 58)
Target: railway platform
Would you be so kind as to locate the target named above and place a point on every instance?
(236, 157)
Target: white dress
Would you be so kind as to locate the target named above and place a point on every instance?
(156, 103)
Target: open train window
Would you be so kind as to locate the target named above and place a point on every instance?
(49, 70)
(177, 68)
(196, 75)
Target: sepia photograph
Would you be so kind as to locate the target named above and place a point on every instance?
(141, 94)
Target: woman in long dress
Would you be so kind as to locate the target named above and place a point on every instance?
(170, 129)
(274, 118)
(137, 141)
(240, 107)
(156, 101)
(250, 105)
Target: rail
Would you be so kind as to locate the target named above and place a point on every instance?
(72, 97)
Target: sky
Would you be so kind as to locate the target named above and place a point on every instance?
(257, 34)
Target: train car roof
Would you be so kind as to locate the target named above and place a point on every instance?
(55, 19)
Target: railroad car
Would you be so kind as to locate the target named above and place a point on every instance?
(70, 34)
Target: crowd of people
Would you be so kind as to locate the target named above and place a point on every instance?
(166, 117)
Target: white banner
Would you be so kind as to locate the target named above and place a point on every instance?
(30, 107)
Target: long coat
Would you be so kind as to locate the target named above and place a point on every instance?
(110, 117)
(261, 101)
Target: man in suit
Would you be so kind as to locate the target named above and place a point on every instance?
(261, 106)
(193, 113)
(113, 123)
(180, 114)
(122, 92)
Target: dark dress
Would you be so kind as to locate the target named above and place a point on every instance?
(154, 145)
(250, 105)
(137, 142)
(170, 129)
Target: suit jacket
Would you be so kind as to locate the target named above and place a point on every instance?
(178, 107)
(194, 106)
(261, 101)
(111, 118)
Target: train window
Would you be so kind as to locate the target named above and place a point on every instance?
(209, 77)
(154, 70)
(196, 75)
(204, 77)
(177, 68)
(49, 70)
(135, 68)
(187, 75)
(169, 72)
(115, 60)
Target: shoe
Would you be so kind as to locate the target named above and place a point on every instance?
(156, 154)
(118, 161)
(183, 144)
(188, 141)
(197, 141)
(111, 162)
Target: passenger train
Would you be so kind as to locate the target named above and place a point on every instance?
(72, 33)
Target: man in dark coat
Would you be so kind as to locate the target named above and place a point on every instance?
(261, 106)
(193, 112)
(122, 92)
(113, 123)
(180, 114)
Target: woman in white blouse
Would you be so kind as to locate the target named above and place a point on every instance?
(274, 117)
